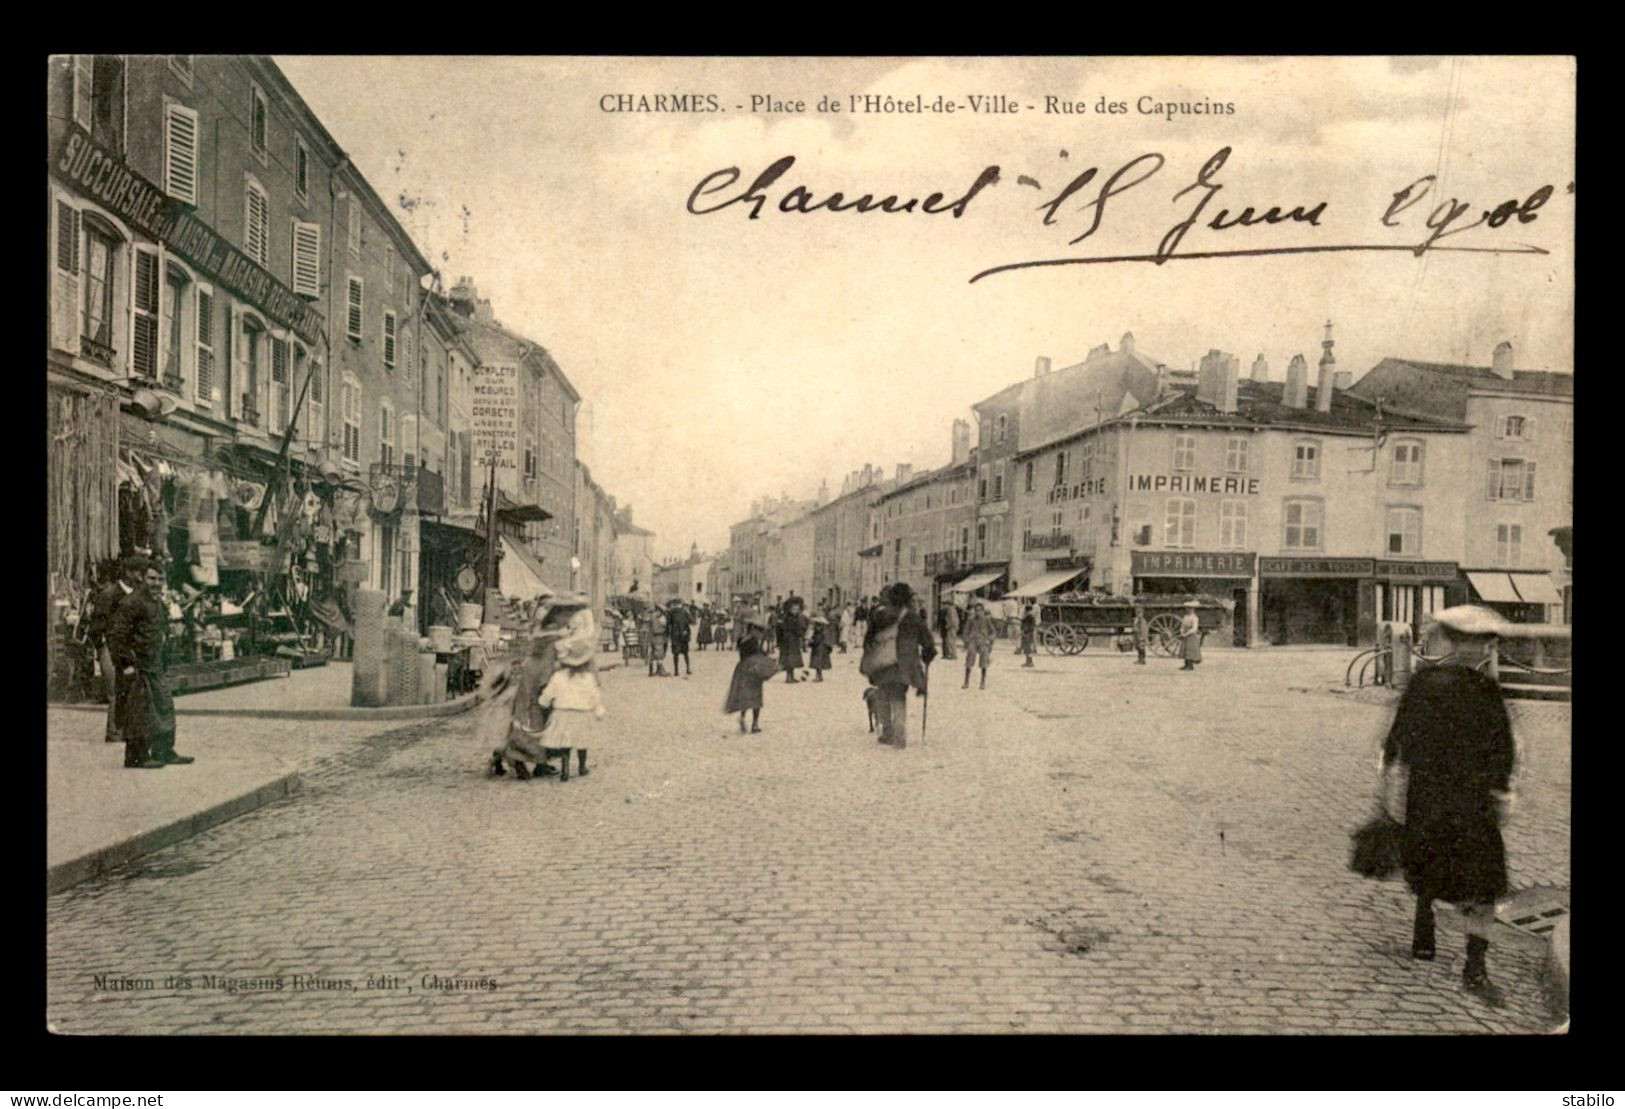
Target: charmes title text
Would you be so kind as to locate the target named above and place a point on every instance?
(994, 104)
(1420, 219)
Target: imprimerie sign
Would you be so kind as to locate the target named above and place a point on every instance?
(102, 175)
(1228, 484)
(1192, 564)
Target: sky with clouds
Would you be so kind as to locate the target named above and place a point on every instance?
(725, 358)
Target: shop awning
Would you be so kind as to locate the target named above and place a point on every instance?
(1045, 583)
(521, 573)
(1493, 587)
(980, 578)
(1536, 589)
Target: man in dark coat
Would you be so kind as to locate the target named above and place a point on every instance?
(915, 650)
(104, 603)
(678, 625)
(790, 633)
(1451, 733)
(136, 642)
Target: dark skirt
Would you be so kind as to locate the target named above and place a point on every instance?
(790, 657)
(820, 656)
(745, 691)
(1453, 850)
(705, 635)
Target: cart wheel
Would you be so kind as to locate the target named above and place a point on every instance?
(1054, 639)
(1165, 634)
(1080, 641)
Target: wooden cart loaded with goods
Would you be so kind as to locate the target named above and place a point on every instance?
(1067, 621)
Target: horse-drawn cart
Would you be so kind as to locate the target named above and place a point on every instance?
(1068, 621)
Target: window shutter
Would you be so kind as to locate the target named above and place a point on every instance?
(307, 258)
(144, 339)
(316, 419)
(389, 338)
(84, 70)
(205, 346)
(256, 236)
(65, 280)
(352, 226)
(180, 152)
(1529, 481)
(236, 350)
(1492, 486)
(1529, 429)
(352, 326)
(279, 385)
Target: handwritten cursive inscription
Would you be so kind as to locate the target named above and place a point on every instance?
(717, 191)
(798, 199)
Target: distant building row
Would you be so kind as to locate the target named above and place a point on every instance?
(1316, 508)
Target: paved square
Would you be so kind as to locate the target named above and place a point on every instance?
(1087, 846)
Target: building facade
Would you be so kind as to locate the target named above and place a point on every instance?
(1520, 495)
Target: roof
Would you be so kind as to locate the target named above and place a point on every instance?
(491, 342)
(1259, 403)
(1540, 382)
(941, 473)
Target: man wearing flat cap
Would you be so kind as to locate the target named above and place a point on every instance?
(1452, 736)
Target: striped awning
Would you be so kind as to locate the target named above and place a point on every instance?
(1494, 587)
(1536, 589)
(521, 574)
(975, 581)
(1045, 583)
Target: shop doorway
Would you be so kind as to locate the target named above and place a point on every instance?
(1239, 621)
(1311, 610)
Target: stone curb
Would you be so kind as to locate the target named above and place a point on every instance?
(1557, 961)
(388, 712)
(98, 862)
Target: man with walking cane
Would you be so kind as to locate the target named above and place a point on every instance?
(896, 654)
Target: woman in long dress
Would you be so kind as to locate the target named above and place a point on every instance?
(1190, 636)
(754, 667)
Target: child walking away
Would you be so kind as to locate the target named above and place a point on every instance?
(820, 644)
(755, 666)
(575, 703)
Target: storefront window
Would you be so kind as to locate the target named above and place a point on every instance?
(1302, 526)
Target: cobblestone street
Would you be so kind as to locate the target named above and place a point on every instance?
(1087, 846)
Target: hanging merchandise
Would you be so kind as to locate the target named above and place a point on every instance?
(312, 506)
(248, 495)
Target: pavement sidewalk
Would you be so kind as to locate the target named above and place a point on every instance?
(99, 815)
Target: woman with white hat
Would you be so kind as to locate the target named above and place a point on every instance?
(1190, 635)
(1452, 735)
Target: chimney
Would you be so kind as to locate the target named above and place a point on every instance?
(1041, 367)
(961, 442)
(755, 510)
(463, 296)
(1297, 383)
(1502, 364)
(1328, 372)
(1099, 352)
(1229, 384)
(1127, 342)
(1261, 368)
(903, 472)
(1342, 380)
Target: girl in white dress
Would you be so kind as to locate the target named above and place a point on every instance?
(575, 701)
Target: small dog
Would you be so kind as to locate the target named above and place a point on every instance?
(871, 697)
